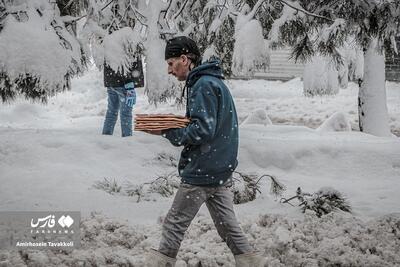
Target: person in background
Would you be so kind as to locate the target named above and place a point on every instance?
(121, 98)
(208, 158)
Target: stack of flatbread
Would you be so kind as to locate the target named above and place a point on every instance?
(153, 122)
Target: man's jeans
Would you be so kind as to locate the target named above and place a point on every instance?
(116, 102)
(187, 202)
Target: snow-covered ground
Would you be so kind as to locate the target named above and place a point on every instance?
(51, 156)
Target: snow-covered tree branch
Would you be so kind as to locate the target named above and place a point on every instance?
(44, 54)
(239, 32)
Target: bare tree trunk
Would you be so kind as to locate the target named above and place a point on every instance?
(372, 107)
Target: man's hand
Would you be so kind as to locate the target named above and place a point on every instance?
(130, 99)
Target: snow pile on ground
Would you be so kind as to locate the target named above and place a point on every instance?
(337, 122)
(285, 103)
(336, 239)
(259, 116)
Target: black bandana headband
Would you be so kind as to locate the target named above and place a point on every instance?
(181, 45)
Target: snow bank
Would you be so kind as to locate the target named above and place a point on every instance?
(332, 240)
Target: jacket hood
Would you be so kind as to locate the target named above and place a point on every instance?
(210, 68)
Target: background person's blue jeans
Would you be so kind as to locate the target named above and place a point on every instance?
(116, 102)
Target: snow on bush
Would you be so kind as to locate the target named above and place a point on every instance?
(159, 85)
(246, 186)
(287, 15)
(336, 239)
(320, 77)
(164, 185)
(166, 159)
(110, 186)
(324, 201)
(337, 122)
(353, 63)
(251, 49)
(92, 36)
(209, 53)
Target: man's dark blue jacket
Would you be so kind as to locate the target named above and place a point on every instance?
(211, 139)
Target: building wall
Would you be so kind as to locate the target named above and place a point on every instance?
(281, 66)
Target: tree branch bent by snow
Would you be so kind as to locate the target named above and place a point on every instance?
(38, 54)
(246, 186)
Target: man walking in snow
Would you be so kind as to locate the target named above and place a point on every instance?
(208, 158)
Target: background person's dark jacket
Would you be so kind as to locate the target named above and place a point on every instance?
(117, 79)
(210, 141)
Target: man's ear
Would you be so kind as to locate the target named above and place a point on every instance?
(185, 59)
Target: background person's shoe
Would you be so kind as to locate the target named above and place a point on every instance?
(157, 259)
(250, 260)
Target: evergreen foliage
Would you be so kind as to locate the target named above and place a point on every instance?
(333, 22)
(309, 27)
(322, 202)
(224, 45)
